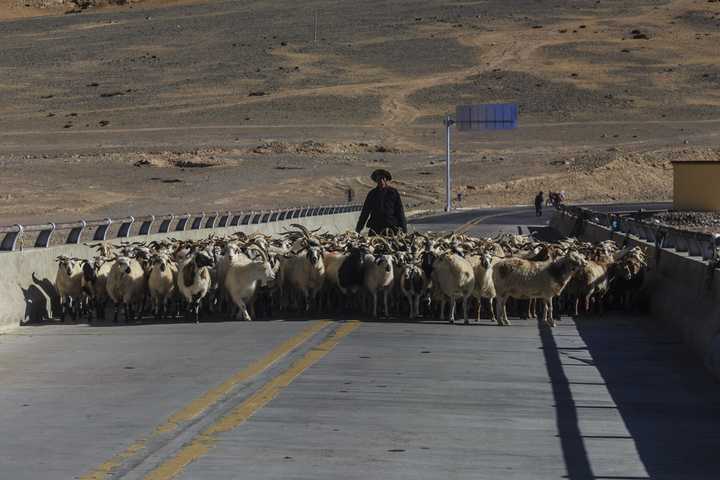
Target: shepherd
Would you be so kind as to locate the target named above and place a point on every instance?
(539, 204)
(383, 207)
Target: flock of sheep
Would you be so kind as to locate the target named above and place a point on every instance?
(409, 275)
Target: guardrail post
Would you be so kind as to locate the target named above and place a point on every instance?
(182, 223)
(73, 237)
(210, 223)
(125, 227)
(165, 224)
(695, 248)
(681, 242)
(11, 238)
(101, 231)
(43, 239)
(649, 233)
(197, 222)
(224, 220)
(146, 225)
(708, 249)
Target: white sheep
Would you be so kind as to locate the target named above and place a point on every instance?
(453, 276)
(243, 279)
(126, 286)
(162, 280)
(484, 286)
(525, 279)
(68, 283)
(379, 275)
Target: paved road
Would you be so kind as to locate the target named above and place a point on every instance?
(510, 219)
(595, 398)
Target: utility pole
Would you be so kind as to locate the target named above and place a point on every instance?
(449, 122)
(316, 27)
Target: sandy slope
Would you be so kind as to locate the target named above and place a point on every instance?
(609, 92)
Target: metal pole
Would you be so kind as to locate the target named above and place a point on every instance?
(448, 184)
(316, 27)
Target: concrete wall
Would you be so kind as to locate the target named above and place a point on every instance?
(677, 290)
(695, 186)
(27, 277)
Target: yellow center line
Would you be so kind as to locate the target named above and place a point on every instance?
(203, 442)
(207, 400)
(478, 220)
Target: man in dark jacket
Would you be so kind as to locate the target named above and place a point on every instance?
(383, 206)
(539, 204)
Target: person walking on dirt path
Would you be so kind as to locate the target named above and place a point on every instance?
(383, 207)
(539, 204)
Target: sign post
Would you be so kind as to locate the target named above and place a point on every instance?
(501, 116)
(448, 180)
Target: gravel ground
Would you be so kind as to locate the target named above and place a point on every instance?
(85, 96)
(706, 222)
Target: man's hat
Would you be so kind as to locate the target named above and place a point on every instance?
(380, 173)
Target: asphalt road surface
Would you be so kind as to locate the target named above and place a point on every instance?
(511, 219)
(596, 398)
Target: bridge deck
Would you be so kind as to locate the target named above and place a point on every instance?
(603, 398)
(596, 398)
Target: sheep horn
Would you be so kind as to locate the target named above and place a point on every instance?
(302, 228)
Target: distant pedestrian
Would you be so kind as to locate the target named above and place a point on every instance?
(382, 206)
(539, 204)
(350, 195)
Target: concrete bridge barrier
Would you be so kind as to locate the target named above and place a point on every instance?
(27, 275)
(681, 289)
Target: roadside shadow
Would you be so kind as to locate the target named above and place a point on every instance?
(41, 301)
(574, 451)
(669, 404)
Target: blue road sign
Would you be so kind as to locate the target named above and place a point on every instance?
(497, 116)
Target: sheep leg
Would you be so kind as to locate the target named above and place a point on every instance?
(587, 302)
(412, 307)
(479, 309)
(453, 303)
(492, 310)
(374, 304)
(547, 312)
(503, 311)
(385, 301)
(465, 310)
(242, 313)
(155, 301)
(63, 308)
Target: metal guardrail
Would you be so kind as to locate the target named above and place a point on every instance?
(638, 224)
(15, 237)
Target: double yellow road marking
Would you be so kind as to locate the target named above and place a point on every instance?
(205, 440)
(202, 442)
(478, 220)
